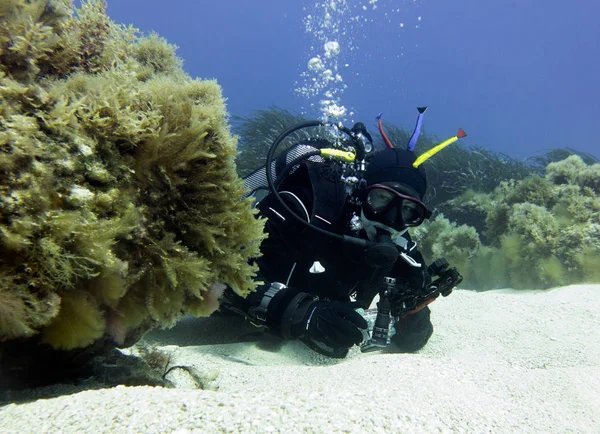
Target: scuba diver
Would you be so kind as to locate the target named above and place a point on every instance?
(338, 215)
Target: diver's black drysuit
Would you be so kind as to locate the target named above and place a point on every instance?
(291, 251)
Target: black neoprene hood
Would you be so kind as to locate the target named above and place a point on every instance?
(395, 165)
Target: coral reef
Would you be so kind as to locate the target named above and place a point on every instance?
(120, 206)
(538, 232)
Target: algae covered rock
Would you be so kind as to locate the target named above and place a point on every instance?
(120, 207)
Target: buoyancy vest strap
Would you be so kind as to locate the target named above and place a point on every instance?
(328, 199)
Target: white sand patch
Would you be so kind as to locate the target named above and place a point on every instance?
(499, 361)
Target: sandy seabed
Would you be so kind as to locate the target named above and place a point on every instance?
(499, 361)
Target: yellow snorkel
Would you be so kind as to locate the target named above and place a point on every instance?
(427, 155)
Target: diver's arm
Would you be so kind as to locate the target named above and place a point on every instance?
(279, 252)
(266, 306)
(329, 327)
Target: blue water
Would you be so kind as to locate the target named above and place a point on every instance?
(518, 76)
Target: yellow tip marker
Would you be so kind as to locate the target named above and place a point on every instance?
(340, 155)
(427, 155)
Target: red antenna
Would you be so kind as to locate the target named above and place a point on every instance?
(385, 137)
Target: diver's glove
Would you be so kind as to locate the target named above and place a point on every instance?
(328, 327)
(412, 331)
(335, 324)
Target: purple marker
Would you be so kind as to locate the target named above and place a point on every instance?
(415, 135)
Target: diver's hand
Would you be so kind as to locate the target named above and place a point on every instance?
(334, 323)
(412, 332)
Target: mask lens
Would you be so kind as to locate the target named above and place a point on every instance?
(378, 199)
(412, 213)
(395, 209)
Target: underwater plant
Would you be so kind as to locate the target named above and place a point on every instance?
(442, 238)
(544, 158)
(258, 132)
(483, 198)
(454, 171)
(539, 232)
(120, 206)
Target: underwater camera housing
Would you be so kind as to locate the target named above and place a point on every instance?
(447, 279)
(409, 300)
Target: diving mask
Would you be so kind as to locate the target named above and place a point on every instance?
(390, 203)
